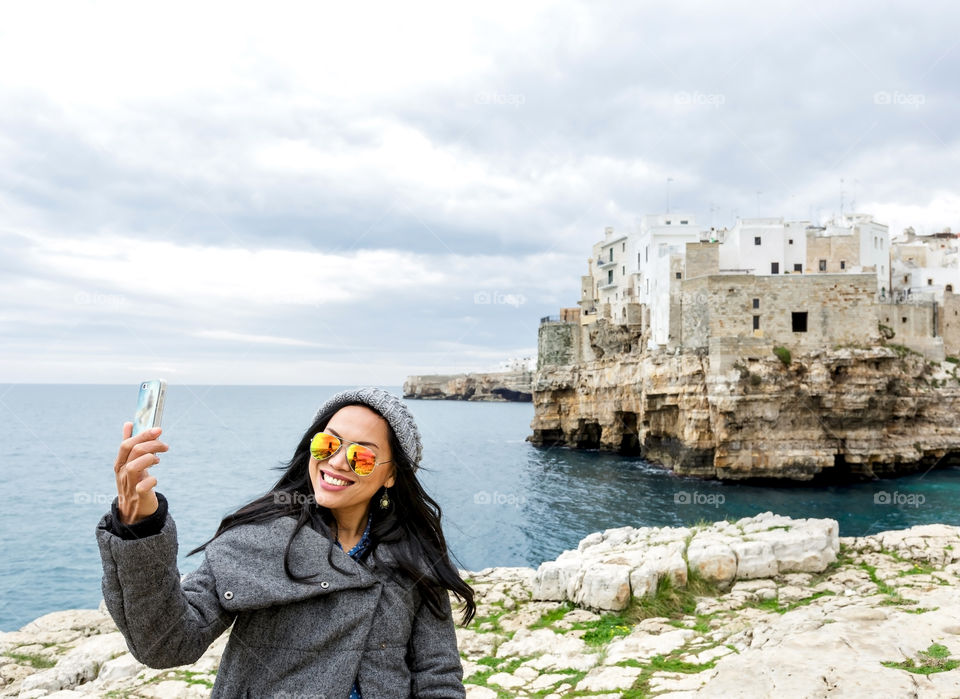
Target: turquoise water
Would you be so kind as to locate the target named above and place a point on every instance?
(504, 501)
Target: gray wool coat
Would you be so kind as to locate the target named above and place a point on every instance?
(289, 639)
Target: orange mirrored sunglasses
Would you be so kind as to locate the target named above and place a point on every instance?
(361, 459)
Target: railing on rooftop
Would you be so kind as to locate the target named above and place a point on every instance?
(550, 319)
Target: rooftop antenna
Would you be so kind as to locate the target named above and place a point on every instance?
(841, 198)
(669, 180)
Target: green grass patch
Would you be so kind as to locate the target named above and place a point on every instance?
(902, 350)
(494, 619)
(672, 602)
(33, 660)
(936, 658)
(604, 630)
(547, 619)
(773, 605)
(881, 586)
(917, 569)
(783, 354)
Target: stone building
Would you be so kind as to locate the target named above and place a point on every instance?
(799, 311)
(925, 264)
(853, 243)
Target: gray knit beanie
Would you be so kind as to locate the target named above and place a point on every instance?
(394, 411)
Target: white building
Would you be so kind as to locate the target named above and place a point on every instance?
(632, 275)
(607, 284)
(765, 246)
(851, 243)
(926, 264)
(661, 236)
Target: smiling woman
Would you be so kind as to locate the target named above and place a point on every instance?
(345, 552)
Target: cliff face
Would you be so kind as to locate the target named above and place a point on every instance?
(836, 414)
(494, 386)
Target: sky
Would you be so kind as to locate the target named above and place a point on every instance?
(320, 193)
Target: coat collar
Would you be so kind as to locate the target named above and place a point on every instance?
(247, 561)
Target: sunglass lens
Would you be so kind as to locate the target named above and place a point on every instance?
(323, 446)
(361, 460)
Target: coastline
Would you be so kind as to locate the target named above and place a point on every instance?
(794, 611)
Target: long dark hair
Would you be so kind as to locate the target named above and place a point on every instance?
(411, 524)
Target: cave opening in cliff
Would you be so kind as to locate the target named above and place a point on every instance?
(629, 437)
(587, 435)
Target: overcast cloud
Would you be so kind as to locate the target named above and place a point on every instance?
(350, 194)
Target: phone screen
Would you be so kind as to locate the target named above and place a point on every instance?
(149, 405)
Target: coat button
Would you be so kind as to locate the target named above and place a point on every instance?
(383, 645)
(228, 595)
(324, 584)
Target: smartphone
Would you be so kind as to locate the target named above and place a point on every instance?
(149, 405)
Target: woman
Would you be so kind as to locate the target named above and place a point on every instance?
(336, 581)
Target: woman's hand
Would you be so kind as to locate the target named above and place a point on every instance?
(135, 497)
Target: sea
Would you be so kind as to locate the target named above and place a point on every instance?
(504, 501)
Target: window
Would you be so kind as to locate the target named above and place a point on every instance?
(790, 242)
(624, 248)
(799, 319)
(756, 322)
(647, 254)
(679, 275)
(843, 264)
(906, 278)
(756, 303)
(609, 276)
(638, 259)
(950, 287)
(929, 282)
(774, 268)
(667, 222)
(623, 270)
(823, 265)
(903, 319)
(756, 240)
(683, 222)
(797, 267)
(611, 254)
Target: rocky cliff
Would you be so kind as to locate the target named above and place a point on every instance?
(833, 414)
(493, 386)
(765, 606)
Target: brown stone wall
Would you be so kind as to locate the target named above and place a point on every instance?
(833, 249)
(840, 309)
(950, 324)
(702, 259)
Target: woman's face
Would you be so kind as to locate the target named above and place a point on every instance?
(353, 423)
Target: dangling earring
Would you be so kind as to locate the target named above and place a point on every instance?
(384, 500)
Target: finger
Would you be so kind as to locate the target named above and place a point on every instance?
(146, 485)
(130, 442)
(135, 467)
(150, 447)
(127, 430)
